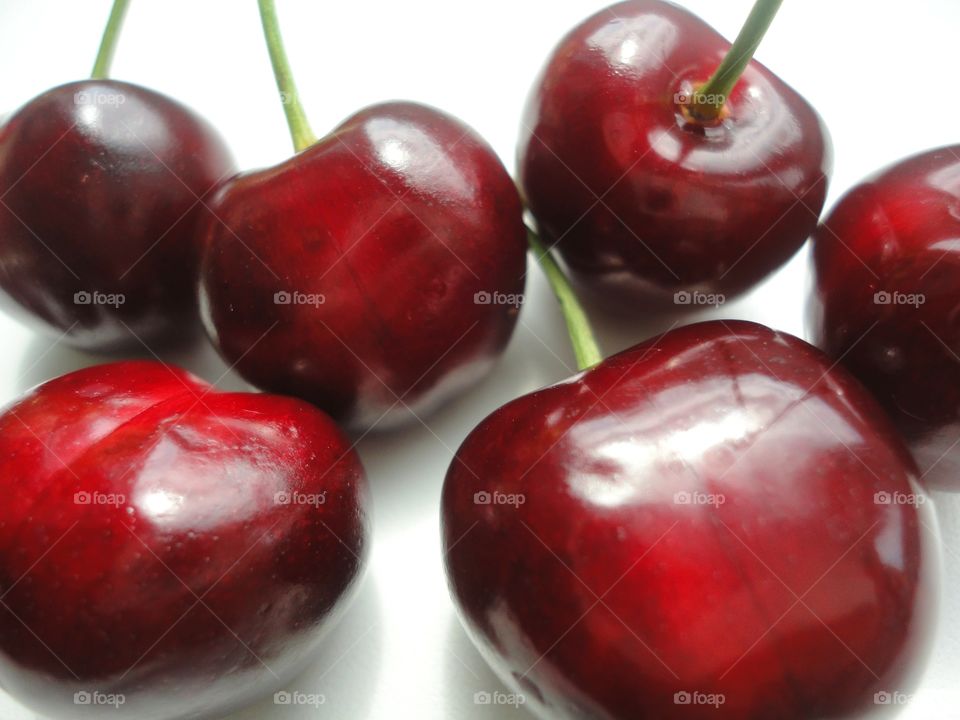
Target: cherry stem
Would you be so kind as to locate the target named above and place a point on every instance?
(709, 99)
(108, 44)
(585, 347)
(300, 131)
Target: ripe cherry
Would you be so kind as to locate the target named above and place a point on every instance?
(102, 185)
(377, 272)
(715, 523)
(886, 300)
(161, 542)
(714, 519)
(654, 172)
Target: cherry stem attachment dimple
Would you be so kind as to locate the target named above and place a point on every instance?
(709, 99)
(108, 43)
(300, 131)
(585, 347)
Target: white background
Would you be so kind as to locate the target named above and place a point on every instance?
(882, 73)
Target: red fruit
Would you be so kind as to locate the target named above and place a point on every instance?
(101, 187)
(164, 542)
(886, 300)
(715, 518)
(376, 273)
(642, 201)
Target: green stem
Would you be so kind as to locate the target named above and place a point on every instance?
(709, 98)
(585, 347)
(108, 44)
(300, 131)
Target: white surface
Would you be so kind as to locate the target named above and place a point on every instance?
(400, 652)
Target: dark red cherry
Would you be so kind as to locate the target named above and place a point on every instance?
(377, 273)
(175, 548)
(715, 523)
(101, 186)
(642, 200)
(886, 300)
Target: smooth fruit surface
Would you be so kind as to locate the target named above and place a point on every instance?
(101, 187)
(375, 274)
(642, 202)
(163, 542)
(886, 300)
(714, 519)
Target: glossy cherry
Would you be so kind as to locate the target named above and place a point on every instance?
(642, 200)
(712, 524)
(164, 542)
(374, 274)
(101, 186)
(886, 300)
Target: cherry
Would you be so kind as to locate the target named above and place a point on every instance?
(157, 534)
(715, 523)
(650, 182)
(886, 297)
(377, 272)
(716, 517)
(101, 186)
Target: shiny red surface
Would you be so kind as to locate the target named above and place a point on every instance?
(784, 583)
(99, 188)
(201, 588)
(396, 220)
(898, 233)
(643, 204)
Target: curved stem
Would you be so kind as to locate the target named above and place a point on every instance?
(300, 131)
(585, 347)
(709, 99)
(108, 43)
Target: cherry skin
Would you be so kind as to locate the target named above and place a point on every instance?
(101, 187)
(375, 274)
(156, 534)
(886, 299)
(716, 512)
(641, 201)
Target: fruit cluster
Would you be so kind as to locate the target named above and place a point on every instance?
(720, 522)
